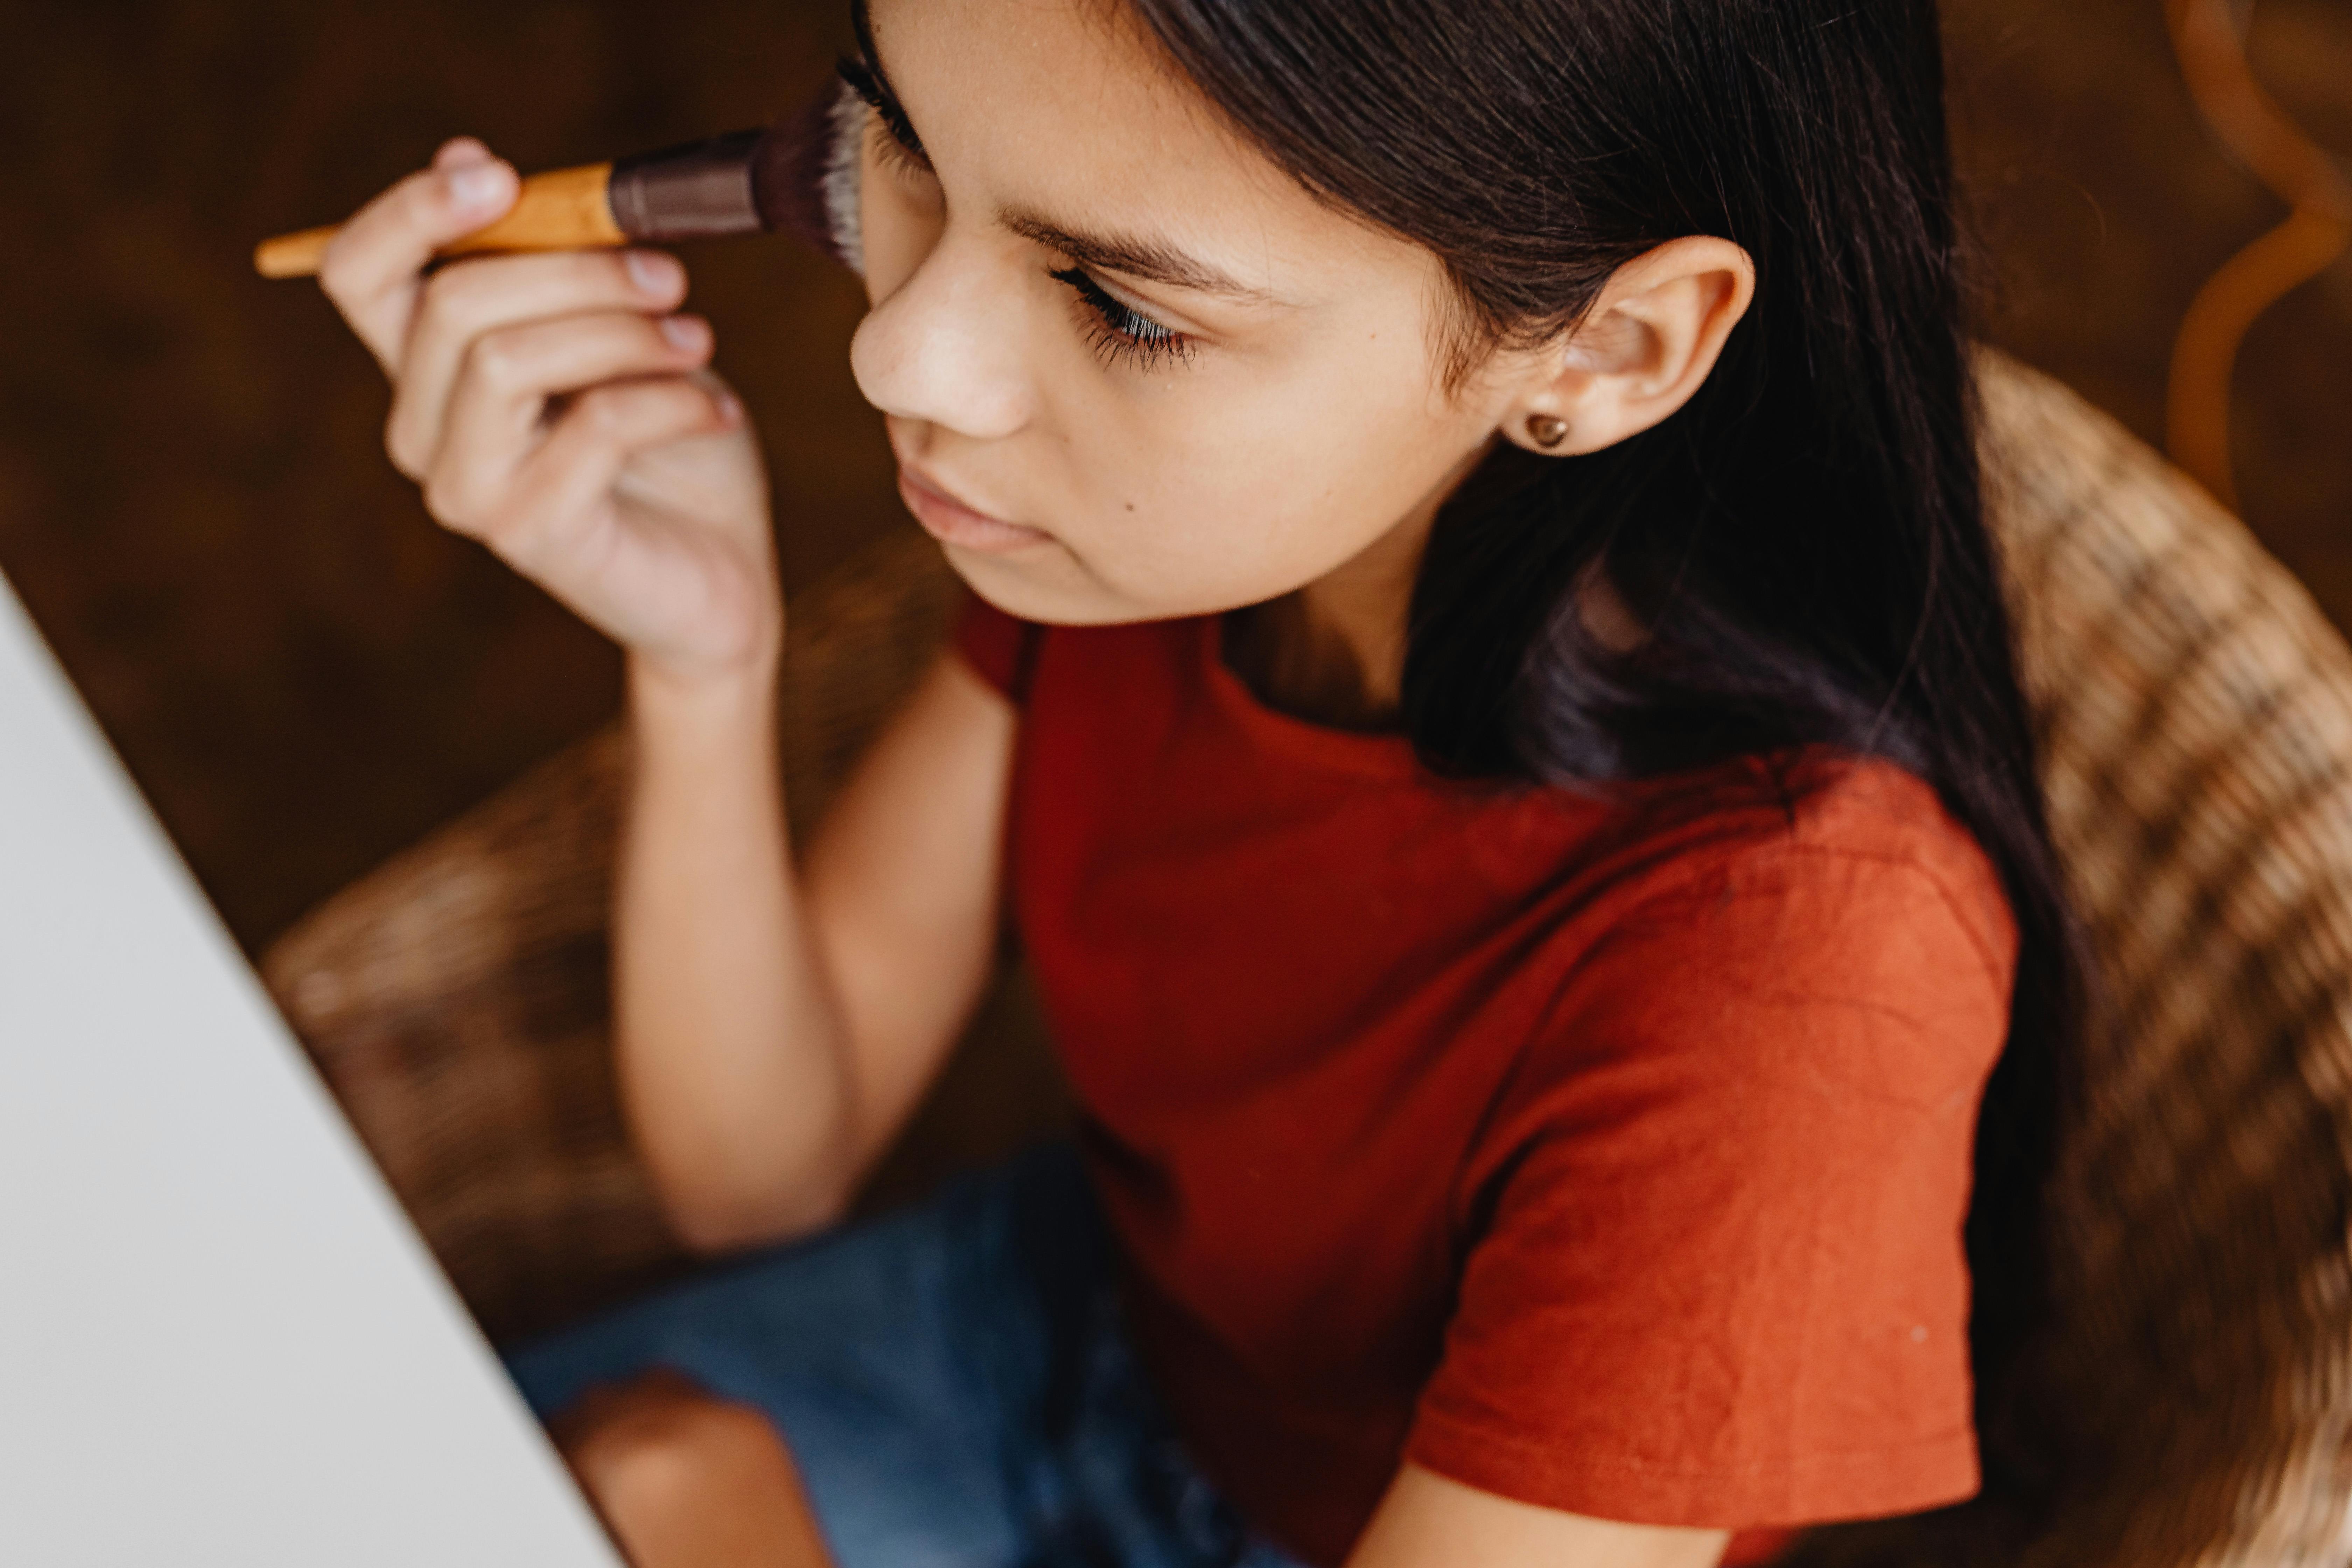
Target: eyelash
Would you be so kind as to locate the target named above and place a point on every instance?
(903, 142)
(1119, 331)
(905, 160)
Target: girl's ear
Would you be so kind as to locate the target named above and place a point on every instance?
(1649, 342)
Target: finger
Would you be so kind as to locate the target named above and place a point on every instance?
(563, 486)
(461, 303)
(372, 267)
(459, 151)
(502, 395)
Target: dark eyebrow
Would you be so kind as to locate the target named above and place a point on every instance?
(1148, 259)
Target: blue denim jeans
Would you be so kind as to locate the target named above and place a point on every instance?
(952, 1379)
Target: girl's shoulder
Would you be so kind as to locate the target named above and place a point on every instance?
(1732, 1159)
(1807, 821)
(1807, 910)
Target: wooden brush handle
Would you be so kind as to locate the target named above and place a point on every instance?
(565, 209)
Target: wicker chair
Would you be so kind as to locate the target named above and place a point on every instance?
(2196, 710)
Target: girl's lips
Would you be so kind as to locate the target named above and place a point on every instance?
(952, 522)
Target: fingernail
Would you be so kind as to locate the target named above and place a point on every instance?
(478, 186)
(651, 272)
(687, 334)
(729, 406)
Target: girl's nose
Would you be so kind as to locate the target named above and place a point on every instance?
(946, 347)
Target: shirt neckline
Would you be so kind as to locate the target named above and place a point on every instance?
(1385, 755)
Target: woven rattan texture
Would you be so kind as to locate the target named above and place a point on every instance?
(2197, 719)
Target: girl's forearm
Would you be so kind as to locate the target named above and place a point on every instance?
(735, 1064)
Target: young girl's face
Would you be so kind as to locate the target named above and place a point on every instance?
(1103, 320)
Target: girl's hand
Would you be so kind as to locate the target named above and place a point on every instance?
(555, 407)
(686, 1479)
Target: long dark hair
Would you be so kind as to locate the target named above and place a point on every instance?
(1805, 542)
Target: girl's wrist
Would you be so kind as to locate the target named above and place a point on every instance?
(706, 704)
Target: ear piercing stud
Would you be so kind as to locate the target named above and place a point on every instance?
(1546, 431)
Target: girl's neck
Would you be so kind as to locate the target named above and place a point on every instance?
(1309, 669)
(1332, 651)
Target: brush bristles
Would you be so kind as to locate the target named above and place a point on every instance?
(805, 176)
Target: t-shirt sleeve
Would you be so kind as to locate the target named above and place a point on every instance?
(996, 645)
(1716, 1277)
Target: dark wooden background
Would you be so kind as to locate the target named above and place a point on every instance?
(304, 675)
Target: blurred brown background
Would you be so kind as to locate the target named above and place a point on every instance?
(306, 675)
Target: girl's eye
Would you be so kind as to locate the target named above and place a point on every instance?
(1120, 330)
(900, 146)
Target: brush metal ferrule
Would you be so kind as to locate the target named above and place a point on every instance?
(696, 191)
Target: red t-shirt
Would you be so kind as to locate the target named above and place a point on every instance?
(1608, 1156)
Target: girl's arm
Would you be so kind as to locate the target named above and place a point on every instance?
(771, 1028)
(1429, 1521)
(775, 1029)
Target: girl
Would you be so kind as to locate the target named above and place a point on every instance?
(1486, 698)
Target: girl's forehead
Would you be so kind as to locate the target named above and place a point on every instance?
(1051, 77)
(1064, 114)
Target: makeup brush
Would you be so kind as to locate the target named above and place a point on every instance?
(752, 182)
